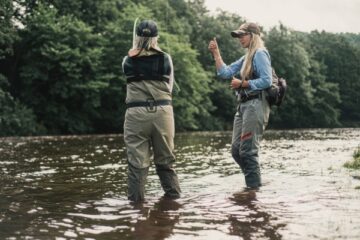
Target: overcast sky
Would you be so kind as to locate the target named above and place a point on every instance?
(302, 15)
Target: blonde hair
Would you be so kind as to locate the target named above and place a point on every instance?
(146, 43)
(255, 43)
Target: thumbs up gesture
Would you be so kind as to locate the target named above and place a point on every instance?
(213, 46)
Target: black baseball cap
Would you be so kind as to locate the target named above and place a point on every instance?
(147, 28)
(246, 28)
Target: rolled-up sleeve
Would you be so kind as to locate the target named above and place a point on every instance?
(262, 66)
(227, 72)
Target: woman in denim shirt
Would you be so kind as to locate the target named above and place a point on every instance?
(250, 76)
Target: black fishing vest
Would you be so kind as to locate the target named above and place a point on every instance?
(153, 67)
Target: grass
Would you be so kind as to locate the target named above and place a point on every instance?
(355, 163)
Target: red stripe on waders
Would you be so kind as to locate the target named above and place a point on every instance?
(246, 136)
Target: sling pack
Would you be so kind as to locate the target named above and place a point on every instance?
(153, 67)
(275, 94)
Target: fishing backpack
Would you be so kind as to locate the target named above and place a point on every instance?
(275, 94)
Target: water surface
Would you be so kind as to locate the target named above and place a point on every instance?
(75, 188)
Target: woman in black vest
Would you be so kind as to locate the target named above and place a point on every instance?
(149, 121)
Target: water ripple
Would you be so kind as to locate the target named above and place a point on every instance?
(74, 187)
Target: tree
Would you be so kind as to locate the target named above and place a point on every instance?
(15, 118)
(341, 58)
(59, 71)
(60, 67)
(305, 104)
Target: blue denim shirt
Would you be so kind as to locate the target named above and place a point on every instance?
(261, 67)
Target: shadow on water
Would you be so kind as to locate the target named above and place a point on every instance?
(75, 188)
(257, 224)
(157, 222)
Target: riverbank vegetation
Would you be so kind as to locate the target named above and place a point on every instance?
(60, 67)
(355, 163)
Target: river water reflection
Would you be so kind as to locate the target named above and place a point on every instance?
(75, 188)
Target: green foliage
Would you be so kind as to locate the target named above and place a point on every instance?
(96, 14)
(60, 67)
(221, 96)
(59, 75)
(15, 118)
(192, 103)
(224, 102)
(291, 61)
(310, 100)
(342, 59)
(356, 154)
(355, 163)
(7, 30)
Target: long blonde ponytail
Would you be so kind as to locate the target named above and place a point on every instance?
(255, 43)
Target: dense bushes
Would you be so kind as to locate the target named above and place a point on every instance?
(61, 67)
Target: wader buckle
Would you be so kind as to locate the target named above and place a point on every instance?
(151, 106)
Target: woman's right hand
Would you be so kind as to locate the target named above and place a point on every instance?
(213, 47)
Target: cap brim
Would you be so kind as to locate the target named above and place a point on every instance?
(237, 33)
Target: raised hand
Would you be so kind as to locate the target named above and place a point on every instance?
(213, 47)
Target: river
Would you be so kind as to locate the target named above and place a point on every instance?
(74, 187)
